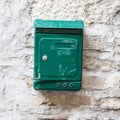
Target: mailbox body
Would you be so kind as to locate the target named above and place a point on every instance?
(58, 55)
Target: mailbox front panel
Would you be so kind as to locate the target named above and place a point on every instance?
(61, 56)
(57, 61)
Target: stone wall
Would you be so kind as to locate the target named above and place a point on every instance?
(99, 98)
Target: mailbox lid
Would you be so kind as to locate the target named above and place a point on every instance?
(61, 53)
(45, 44)
(75, 24)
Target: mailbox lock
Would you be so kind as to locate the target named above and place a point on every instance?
(44, 58)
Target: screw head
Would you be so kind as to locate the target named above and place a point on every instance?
(65, 85)
(71, 85)
(44, 58)
(58, 85)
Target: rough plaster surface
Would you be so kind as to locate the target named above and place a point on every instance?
(99, 98)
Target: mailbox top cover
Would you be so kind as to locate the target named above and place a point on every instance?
(76, 24)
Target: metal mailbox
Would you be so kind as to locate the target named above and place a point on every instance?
(58, 54)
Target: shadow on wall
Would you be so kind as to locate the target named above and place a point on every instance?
(64, 99)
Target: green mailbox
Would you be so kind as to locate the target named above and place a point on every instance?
(58, 47)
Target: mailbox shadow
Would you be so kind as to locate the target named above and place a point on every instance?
(64, 99)
(93, 49)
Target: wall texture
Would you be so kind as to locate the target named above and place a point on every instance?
(99, 98)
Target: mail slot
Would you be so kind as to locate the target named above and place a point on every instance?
(58, 47)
